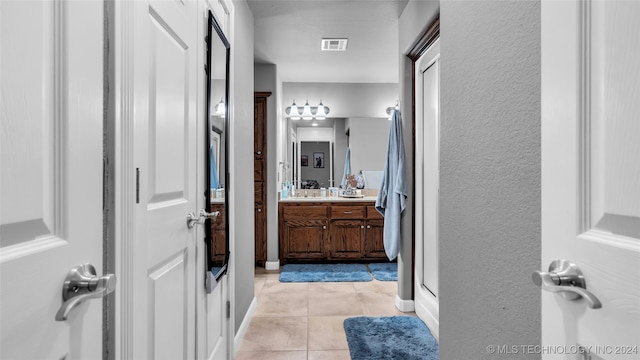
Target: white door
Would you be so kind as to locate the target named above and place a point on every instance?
(165, 113)
(427, 185)
(50, 174)
(591, 175)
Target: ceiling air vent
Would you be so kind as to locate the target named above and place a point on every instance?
(334, 44)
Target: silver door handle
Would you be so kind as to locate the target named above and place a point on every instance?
(209, 215)
(565, 277)
(80, 284)
(203, 215)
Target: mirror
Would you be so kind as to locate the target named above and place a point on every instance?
(217, 72)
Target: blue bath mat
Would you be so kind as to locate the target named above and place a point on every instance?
(393, 337)
(324, 273)
(384, 271)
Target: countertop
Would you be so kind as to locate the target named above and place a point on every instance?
(328, 199)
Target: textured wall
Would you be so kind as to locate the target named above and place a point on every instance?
(490, 177)
(242, 159)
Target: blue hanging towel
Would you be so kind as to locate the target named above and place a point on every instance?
(215, 182)
(393, 190)
(347, 168)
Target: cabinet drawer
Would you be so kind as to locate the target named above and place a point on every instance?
(372, 213)
(347, 212)
(318, 212)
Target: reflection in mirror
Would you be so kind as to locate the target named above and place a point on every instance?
(316, 165)
(217, 69)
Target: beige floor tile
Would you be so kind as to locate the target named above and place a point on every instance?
(387, 287)
(329, 355)
(273, 285)
(327, 333)
(336, 303)
(258, 285)
(271, 355)
(276, 333)
(290, 303)
(331, 287)
(378, 304)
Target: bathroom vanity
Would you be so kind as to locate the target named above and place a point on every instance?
(330, 229)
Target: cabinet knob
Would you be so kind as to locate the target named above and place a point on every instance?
(361, 226)
(324, 227)
(368, 226)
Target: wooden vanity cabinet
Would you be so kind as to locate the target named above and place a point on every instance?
(218, 234)
(304, 233)
(330, 231)
(347, 231)
(374, 234)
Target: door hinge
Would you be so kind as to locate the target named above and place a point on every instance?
(137, 185)
(228, 309)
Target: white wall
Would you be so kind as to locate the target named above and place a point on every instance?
(368, 138)
(344, 99)
(490, 177)
(241, 168)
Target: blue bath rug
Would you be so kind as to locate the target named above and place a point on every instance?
(393, 337)
(324, 273)
(384, 271)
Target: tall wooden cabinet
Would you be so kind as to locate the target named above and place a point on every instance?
(260, 175)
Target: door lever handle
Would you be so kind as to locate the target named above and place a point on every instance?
(203, 215)
(565, 277)
(209, 215)
(82, 283)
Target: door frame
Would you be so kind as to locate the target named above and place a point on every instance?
(122, 197)
(419, 48)
(426, 303)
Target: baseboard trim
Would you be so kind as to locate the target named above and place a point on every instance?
(272, 265)
(242, 330)
(405, 305)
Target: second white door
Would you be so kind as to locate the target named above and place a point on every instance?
(165, 112)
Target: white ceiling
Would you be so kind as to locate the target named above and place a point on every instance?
(289, 33)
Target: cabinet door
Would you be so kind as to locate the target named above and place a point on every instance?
(347, 239)
(218, 234)
(374, 239)
(304, 239)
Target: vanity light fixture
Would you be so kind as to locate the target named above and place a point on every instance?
(307, 112)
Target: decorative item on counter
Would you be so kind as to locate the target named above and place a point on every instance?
(333, 191)
(351, 181)
(323, 192)
(285, 191)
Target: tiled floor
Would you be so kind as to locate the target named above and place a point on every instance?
(303, 321)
